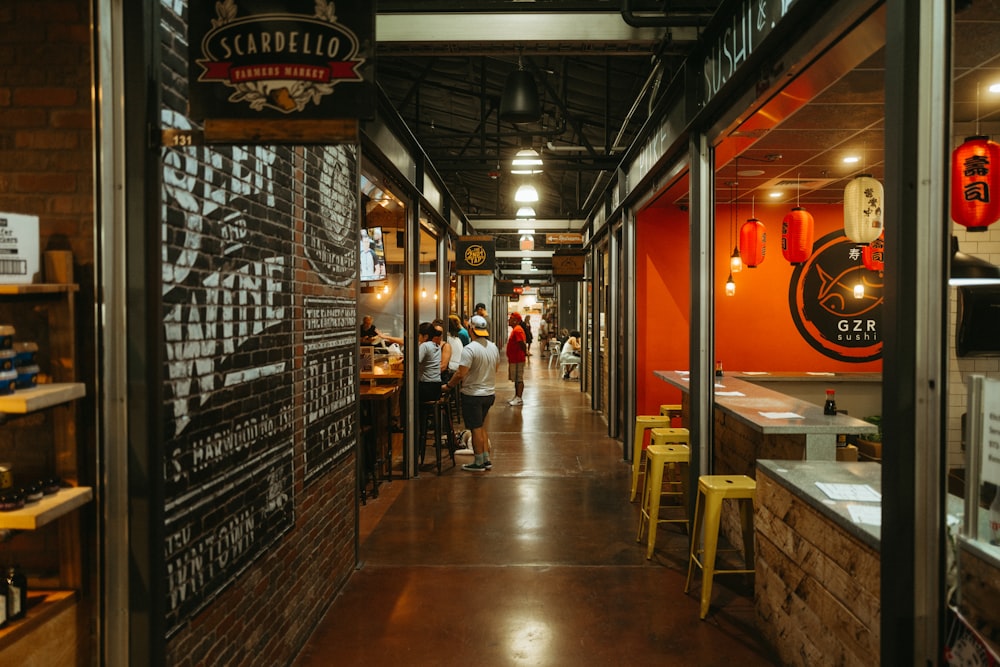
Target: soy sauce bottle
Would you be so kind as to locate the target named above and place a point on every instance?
(17, 594)
(830, 407)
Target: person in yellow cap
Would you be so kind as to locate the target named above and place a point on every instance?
(477, 373)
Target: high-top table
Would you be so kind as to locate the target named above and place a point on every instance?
(747, 425)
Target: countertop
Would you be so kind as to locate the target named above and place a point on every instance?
(800, 477)
(757, 399)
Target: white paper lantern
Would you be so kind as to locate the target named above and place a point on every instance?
(864, 216)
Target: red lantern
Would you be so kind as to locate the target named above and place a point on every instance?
(975, 183)
(872, 254)
(753, 242)
(797, 235)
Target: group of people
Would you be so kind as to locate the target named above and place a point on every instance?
(452, 354)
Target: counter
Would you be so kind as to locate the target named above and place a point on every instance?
(818, 576)
(743, 434)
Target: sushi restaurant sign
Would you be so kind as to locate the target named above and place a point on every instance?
(281, 59)
(835, 319)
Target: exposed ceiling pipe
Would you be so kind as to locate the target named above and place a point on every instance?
(680, 17)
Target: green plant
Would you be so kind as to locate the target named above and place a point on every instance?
(874, 437)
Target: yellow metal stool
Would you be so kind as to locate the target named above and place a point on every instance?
(642, 423)
(712, 490)
(658, 459)
(674, 411)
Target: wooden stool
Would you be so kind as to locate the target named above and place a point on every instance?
(642, 422)
(659, 458)
(707, 513)
(675, 412)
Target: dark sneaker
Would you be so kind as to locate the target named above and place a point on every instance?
(488, 465)
(474, 467)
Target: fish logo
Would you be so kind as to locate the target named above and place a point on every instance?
(834, 318)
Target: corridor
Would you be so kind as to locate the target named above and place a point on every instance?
(532, 563)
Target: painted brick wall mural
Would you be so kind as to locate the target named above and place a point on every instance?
(259, 319)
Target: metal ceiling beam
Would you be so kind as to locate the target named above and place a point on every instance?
(534, 32)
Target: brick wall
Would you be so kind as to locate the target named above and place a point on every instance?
(259, 323)
(46, 151)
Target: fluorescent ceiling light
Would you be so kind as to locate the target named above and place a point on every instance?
(526, 231)
(851, 159)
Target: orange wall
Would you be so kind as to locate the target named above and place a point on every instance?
(754, 329)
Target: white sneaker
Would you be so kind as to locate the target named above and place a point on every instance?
(515, 401)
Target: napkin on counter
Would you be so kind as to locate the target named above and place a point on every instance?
(781, 415)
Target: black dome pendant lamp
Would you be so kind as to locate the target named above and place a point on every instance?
(519, 102)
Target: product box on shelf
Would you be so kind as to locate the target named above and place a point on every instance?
(19, 254)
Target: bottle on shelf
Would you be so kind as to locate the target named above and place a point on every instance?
(718, 369)
(17, 593)
(830, 407)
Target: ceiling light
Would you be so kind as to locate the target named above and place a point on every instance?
(730, 286)
(775, 195)
(527, 161)
(969, 270)
(526, 213)
(526, 193)
(519, 101)
(526, 231)
(852, 159)
(995, 88)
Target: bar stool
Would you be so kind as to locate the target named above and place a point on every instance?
(555, 349)
(660, 457)
(674, 411)
(712, 490)
(437, 414)
(642, 422)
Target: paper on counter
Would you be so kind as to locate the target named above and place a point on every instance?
(858, 492)
(868, 514)
(781, 415)
(819, 373)
(729, 393)
(754, 373)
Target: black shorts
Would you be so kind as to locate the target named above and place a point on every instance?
(475, 408)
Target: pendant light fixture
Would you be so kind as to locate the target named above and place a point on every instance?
(797, 229)
(863, 214)
(527, 162)
(526, 194)
(859, 287)
(753, 241)
(872, 255)
(730, 286)
(975, 181)
(735, 261)
(525, 213)
(519, 101)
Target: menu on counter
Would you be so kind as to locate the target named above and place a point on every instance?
(856, 492)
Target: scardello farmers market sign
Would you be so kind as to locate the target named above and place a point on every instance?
(305, 59)
(824, 307)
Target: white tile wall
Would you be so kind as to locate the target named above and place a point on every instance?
(985, 245)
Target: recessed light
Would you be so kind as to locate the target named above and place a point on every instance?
(775, 195)
(851, 159)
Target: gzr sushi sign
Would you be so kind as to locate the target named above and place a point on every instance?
(831, 316)
(270, 59)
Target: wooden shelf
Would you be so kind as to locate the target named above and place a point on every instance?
(19, 638)
(49, 508)
(37, 288)
(23, 401)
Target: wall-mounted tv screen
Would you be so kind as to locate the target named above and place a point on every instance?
(978, 330)
(372, 258)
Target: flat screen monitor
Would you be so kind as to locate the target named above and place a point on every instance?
(978, 331)
(372, 257)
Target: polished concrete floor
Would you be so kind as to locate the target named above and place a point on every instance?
(532, 563)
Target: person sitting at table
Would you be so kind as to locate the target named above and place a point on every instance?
(370, 334)
(569, 358)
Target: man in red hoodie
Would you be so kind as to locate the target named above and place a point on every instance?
(517, 353)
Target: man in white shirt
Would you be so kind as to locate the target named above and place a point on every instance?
(477, 372)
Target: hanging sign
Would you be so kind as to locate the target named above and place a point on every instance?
(261, 66)
(475, 255)
(823, 306)
(564, 239)
(568, 264)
